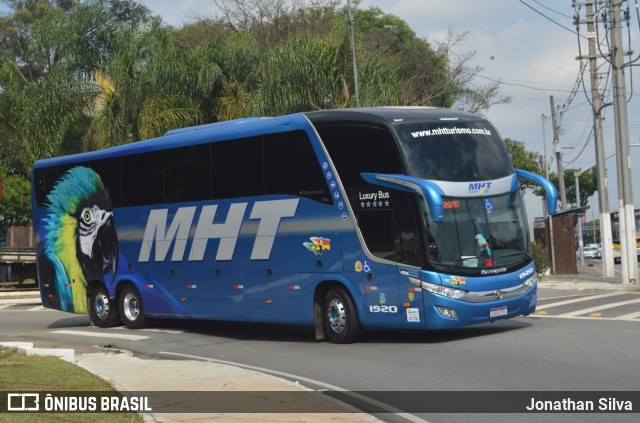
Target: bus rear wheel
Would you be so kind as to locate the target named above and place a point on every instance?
(102, 312)
(132, 309)
(340, 318)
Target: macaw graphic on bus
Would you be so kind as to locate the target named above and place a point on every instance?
(80, 240)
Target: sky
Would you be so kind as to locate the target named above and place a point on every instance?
(531, 55)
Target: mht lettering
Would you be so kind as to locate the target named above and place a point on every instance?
(479, 186)
(268, 213)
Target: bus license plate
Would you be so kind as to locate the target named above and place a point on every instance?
(500, 311)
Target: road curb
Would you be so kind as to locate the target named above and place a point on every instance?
(24, 297)
(27, 348)
(20, 293)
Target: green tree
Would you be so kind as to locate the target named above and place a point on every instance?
(37, 101)
(96, 73)
(275, 22)
(146, 88)
(420, 71)
(525, 160)
(301, 74)
(48, 54)
(588, 182)
(395, 66)
(15, 205)
(227, 62)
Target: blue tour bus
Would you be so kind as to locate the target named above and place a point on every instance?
(389, 217)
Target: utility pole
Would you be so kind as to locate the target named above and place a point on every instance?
(353, 53)
(544, 142)
(544, 200)
(623, 156)
(576, 175)
(601, 171)
(556, 148)
(546, 172)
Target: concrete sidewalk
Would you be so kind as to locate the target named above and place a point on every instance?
(588, 277)
(127, 373)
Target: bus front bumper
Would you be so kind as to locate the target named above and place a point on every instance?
(479, 307)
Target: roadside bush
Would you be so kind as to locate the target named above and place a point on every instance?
(539, 257)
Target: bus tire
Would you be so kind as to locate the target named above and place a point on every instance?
(340, 317)
(132, 309)
(103, 312)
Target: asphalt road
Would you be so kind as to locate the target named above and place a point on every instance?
(559, 350)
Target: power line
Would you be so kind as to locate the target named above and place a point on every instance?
(552, 10)
(523, 85)
(550, 19)
(586, 143)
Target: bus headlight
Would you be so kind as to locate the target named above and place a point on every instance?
(445, 291)
(531, 281)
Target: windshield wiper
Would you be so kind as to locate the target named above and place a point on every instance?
(456, 263)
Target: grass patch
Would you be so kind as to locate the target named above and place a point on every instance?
(21, 373)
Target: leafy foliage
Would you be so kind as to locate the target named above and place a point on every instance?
(15, 205)
(588, 182)
(523, 159)
(539, 257)
(89, 74)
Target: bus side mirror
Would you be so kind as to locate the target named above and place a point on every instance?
(431, 192)
(550, 191)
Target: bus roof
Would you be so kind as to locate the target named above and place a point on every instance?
(219, 131)
(254, 126)
(389, 115)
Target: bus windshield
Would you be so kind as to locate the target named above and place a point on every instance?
(454, 151)
(479, 232)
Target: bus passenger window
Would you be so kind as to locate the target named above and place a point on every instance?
(291, 167)
(142, 179)
(236, 168)
(187, 174)
(43, 182)
(109, 171)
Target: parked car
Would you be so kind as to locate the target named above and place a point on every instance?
(598, 253)
(589, 252)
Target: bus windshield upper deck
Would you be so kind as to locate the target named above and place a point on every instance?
(486, 229)
(457, 151)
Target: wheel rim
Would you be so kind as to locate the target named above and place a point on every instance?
(336, 315)
(131, 307)
(101, 305)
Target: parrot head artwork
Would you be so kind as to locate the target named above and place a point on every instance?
(80, 240)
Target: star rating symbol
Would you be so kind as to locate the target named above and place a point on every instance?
(379, 203)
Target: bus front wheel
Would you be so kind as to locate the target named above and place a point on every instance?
(102, 312)
(340, 322)
(132, 309)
